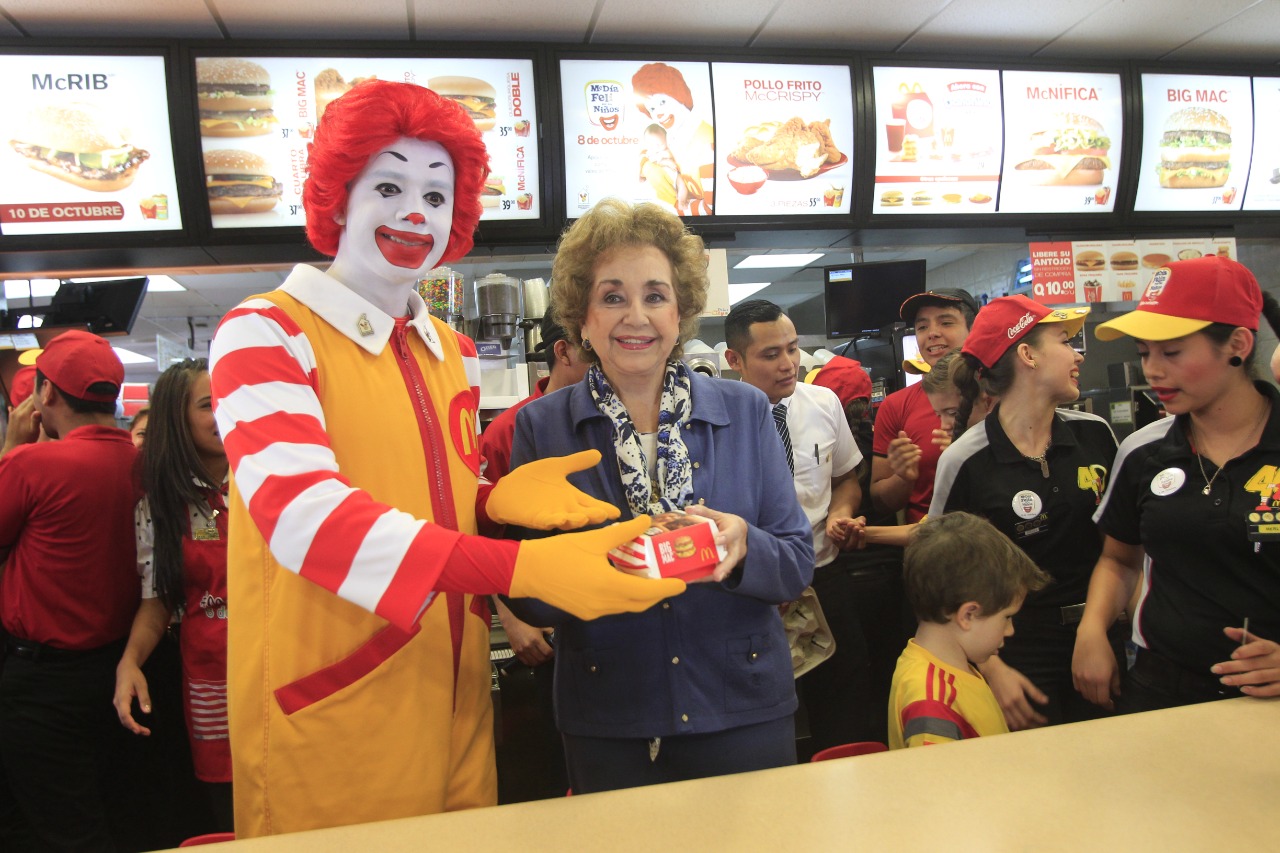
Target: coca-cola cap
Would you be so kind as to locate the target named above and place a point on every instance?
(1008, 319)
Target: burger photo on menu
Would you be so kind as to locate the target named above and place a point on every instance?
(494, 189)
(1069, 149)
(1195, 151)
(476, 96)
(234, 97)
(239, 182)
(81, 144)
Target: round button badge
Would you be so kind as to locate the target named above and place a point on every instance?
(1167, 482)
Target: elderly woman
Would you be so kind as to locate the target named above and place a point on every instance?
(698, 685)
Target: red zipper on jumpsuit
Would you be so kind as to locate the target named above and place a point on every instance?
(444, 511)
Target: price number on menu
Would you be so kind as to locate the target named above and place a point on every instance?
(506, 205)
(1053, 288)
(295, 209)
(814, 201)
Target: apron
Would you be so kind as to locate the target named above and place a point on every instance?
(204, 644)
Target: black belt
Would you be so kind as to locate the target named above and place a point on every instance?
(1178, 679)
(31, 650)
(1067, 615)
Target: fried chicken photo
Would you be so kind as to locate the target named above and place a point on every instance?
(804, 147)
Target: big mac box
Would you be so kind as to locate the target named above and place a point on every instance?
(676, 545)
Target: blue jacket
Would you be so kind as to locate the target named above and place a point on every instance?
(716, 657)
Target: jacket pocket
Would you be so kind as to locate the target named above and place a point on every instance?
(757, 672)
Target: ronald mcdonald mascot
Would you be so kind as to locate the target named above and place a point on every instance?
(358, 650)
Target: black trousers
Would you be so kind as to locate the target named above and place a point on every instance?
(1156, 682)
(1041, 649)
(57, 728)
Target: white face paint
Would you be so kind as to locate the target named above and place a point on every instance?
(398, 217)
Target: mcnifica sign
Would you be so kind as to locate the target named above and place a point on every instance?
(1027, 319)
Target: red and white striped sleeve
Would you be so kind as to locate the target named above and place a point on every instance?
(314, 522)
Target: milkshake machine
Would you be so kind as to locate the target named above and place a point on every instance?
(499, 341)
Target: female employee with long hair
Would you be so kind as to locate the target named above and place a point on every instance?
(1197, 495)
(1037, 473)
(182, 555)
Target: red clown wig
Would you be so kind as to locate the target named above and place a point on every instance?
(367, 119)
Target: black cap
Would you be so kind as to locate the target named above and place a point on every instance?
(551, 331)
(943, 296)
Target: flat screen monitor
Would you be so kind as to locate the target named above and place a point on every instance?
(864, 298)
(257, 116)
(102, 307)
(88, 148)
(1197, 142)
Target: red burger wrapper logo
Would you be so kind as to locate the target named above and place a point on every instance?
(604, 103)
(675, 546)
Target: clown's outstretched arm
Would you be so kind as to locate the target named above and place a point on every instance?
(538, 495)
(319, 526)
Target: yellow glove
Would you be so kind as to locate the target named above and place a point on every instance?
(538, 495)
(571, 571)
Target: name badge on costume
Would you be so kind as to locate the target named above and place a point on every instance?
(1167, 482)
(205, 534)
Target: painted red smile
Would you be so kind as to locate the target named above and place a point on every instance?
(404, 248)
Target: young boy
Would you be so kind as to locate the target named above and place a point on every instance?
(965, 580)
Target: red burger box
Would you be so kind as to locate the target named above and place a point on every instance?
(676, 545)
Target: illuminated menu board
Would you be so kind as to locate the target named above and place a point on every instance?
(1197, 137)
(785, 142)
(938, 140)
(87, 148)
(1062, 136)
(1263, 192)
(257, 116)
(639, 131)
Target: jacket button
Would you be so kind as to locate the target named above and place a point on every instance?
(593, 668)
(676, 659)
(697, 465)
(755, 655)
(666, 605)
(684, 718)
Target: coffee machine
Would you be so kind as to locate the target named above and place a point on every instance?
(499, 310)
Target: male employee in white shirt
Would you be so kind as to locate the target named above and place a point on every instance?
(765, 349)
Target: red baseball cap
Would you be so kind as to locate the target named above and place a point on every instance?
(1187, 296)
(22, 384)
(76, 360)
(1008, 319)
(845, 376)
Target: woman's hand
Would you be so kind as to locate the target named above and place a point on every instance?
(1013, 690)
(904, 457)
(1254, 667)
(732, 537)
(1094, 670)
(130, 683)
(849, 534)
(527, 642)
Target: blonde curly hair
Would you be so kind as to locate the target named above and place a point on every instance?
(613, 224)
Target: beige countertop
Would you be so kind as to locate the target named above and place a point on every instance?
(1203, 777)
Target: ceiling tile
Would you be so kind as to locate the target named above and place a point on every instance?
(508, 20)
(365, 19)
(1253, 35)
(1142, 29)
(671, 22)
(138, 18)
(1004, 27)
(874, 25)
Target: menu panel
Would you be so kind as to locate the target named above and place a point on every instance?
(1111, 270)
(1197, 138)
(257, 117)
(1062, 136)
(786, 138)
(639, 131)
(1263, 192)
(938, 140)
(87, 148)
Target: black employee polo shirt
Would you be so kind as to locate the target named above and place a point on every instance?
(1050, 519)
(1214, 559)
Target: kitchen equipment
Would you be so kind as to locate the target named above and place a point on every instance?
(499, 307)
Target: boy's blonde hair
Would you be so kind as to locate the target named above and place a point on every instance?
(961, 557)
